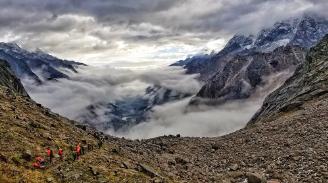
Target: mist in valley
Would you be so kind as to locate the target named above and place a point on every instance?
(105, 84)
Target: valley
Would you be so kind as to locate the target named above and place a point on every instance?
(212, 91)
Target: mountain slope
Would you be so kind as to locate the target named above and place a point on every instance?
(8, 80)
(37, 66)
(26, 129)
(245, 63)
(309, 82)
(242, 75)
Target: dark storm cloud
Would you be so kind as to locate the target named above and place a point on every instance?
(93, 25)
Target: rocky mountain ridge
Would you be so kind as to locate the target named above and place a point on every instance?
(309, 82)
(37, 66)
(242, 65)
(243, 75)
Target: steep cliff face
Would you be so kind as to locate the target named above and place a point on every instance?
(243, 74)
(8, 80)
(308, 83)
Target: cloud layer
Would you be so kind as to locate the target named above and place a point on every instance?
(174, 118)
(104, 84)
(139, 31)
(70, 97)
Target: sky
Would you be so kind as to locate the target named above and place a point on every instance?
(139, 32)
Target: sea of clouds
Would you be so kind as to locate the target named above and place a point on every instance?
(105, 84)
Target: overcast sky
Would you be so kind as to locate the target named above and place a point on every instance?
(139, 31)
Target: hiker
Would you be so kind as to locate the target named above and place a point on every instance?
(36, 165)
(39, 163)
(50, 154)
(60, 153)
(78, 151)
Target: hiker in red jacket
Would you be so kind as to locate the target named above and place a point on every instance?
(39, 163)
(60, 153)
(50, 154)
(78, 150)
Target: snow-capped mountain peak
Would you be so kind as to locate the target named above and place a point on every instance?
(36, 65)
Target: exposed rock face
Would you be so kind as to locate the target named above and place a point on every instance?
(198, 64)
(241, 66)
(309, 82)
(38, 65)
(8, 80)
(242, 74)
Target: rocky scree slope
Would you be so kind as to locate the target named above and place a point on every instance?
(27, 128)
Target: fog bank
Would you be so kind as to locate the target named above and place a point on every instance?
(104, 84)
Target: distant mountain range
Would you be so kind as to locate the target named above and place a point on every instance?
(242, 65)
(38, 66)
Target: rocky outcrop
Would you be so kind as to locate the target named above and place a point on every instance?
(308, 83)
(9, 80)
(243, 74)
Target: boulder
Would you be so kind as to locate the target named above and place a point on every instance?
(126, 165)
(255, 178)
(50, 179)
(234, 167)
(93, 170)
(215, 147)
(27, 155)
(148, 170)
